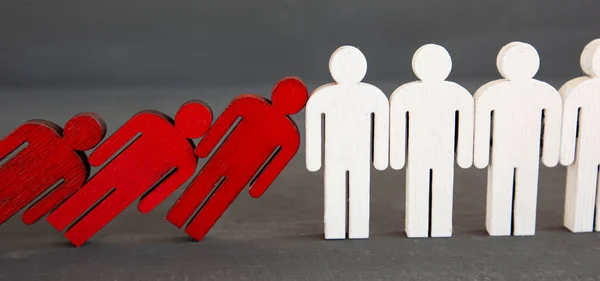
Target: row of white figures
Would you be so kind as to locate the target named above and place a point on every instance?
(417, 126)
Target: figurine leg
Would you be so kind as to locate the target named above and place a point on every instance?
(215, 207)
(335, 203)
(417, 200)
(580, 197)
(359, 203)
(442, 191)
(499, 200)
(103, 213)
(525, 202)
(193, 197)
(79, 203)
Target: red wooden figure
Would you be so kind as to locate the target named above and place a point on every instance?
(265, 135)
(51, 158)
(157, 157)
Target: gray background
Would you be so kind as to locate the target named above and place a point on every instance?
(151, 42)
(116, 58)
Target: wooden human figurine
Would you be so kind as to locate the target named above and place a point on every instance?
(157, 157)
(514, 111)
(580, 149)
(256, 150)
(52, 160)
(430, 109)
(350, 107)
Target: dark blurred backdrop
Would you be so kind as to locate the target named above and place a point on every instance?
(151, 42)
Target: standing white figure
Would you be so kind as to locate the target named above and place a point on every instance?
(428, 110)
(581, 137)
(349, 107)
(512, 111)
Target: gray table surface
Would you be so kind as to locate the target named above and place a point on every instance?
(280, 236)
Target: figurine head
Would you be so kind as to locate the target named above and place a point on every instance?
(518, 61)
(432, 63)
(590, 59)
(84, 131)
(348, 65)
(289, 95)
(193, 119)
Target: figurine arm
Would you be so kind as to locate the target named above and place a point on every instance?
(314, 111)
(221, 126)
(116, 141)
(274, 168)
(552, 128)
(174, 180)
(482, 129)
(15, 139)
(398, 126)
(569, 133)
(56, 197)
(464, 148)
(381, 135)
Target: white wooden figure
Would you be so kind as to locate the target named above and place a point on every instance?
(580, 149)
(431, 106)
(348, 106)
(515, 111)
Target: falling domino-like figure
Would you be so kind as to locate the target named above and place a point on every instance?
(152, 155)
(427, 109)
(349, 107)
(252, 154)
(52, 157)
(512, 111)
(580, 136)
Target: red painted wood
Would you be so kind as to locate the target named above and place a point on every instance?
(51, 156)
(160, 153)
(263, 129)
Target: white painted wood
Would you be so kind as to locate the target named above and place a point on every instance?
(431, 105)
(517, 103)
(348, 106)
(581, 109)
